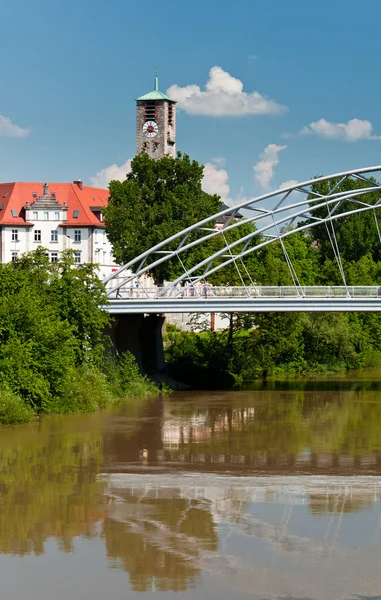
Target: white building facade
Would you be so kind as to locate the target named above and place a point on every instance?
(57, 216)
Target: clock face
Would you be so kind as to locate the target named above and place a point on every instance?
(150, 129)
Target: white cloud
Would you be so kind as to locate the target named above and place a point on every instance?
(219, 160)
(103, 177)
(223, 96)
(354, 130)
(253, 57)
(215, 181)
(288, 183)
(264, 169)
(9, 129)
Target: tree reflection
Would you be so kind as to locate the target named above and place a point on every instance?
(48, 485)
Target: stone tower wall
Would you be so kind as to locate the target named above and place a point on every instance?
(165, 141)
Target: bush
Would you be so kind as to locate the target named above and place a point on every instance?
(13, 409)
(125, 378)
(85, 390)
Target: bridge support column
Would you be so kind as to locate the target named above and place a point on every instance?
(142, 336)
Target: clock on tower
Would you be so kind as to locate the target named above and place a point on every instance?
(156, 124)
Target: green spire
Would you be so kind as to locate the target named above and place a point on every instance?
(156, 94)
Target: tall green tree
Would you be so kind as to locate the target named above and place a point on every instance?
(356, 234)
(158, 199)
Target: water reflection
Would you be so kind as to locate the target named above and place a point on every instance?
(158, 538)
(270, 492)
(255, 432)
(48, 485)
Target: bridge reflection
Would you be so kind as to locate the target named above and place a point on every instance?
(297, 433)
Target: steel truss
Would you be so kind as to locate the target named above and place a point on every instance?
(272, 225)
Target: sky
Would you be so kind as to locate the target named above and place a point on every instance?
(268, 92)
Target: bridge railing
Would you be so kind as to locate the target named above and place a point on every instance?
(209, 291)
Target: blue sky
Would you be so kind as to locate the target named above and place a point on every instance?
(70, 73)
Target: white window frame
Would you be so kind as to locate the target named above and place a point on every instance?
(54, 257)
(77, 235)
(54, 235)
(37, 235)
(57, 216)
(46, 215)
(15, 235)
(35, 215)
(77, 257)
(14, 255)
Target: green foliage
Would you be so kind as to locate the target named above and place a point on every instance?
(86, 389)
(158, 199)
(13, 409)
(52, 341)
(125, 378)
(356, 234)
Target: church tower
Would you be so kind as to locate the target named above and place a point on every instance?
(156, 124)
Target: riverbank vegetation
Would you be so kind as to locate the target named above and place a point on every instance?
(263, 345)
(52, 341)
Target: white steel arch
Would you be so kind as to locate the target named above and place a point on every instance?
(272, 224)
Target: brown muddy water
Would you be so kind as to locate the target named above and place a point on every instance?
(265, 493)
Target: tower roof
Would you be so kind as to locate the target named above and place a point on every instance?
(156, 94)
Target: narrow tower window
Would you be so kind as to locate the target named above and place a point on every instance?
(170, 114)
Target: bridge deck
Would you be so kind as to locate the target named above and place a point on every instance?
(247, 299)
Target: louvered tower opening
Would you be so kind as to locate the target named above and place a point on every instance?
(150, 111)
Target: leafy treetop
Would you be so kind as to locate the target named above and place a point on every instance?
(158, 199)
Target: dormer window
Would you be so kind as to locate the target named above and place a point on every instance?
(97, 212)
(35, 215)
(57, 216)
(46, 215)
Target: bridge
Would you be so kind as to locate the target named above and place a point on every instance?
(239, 231)
(247, 299)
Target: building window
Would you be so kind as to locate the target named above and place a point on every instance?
(14, 256)
(15, 235)
(35, 216)
(54, 235)
(37, 235)
(104, 237)
(53, 256)
(96, 236)
(46, 216)
(77, 235)
(77, 257)
(57, 216)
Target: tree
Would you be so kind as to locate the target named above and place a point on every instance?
(158, 199)
(356, 234)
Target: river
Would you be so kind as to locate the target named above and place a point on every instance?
(269, 492)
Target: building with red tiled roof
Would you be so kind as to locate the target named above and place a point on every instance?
(56, 216)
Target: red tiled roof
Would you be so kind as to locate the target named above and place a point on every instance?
(16, 195)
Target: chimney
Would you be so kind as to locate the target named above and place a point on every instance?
(78, 182)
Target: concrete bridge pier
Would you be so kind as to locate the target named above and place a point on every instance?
(142, 336)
